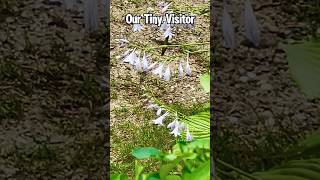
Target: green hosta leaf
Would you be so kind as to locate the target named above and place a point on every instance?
(201, 143)
(311, 144)
(199, 125)
(205, 82)
(170, 157)
(308, 147)
(167, 168)
(304, 63)
(145, 152)
(298, 169)
(202, 172)
(119, 177)
(151, 176)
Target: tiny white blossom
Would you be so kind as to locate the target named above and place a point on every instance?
(152, 66)
(158, 70)
(166, 76)
(151, 106)
(173, 124)
(163, 6)
(168, 33)
(123, 42)
(164, 26)
(124, 54)
(180, 69)
(188, 135)
(137, 27)
(145, 62)
(131, 58)
(188, 69)
(176, 130)
(227, 28)
(137, 64)
(251, 25)
(159, 120)
(159, 112)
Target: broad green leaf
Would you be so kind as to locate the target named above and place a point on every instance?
(304, 63)
(201, 143)
(205, 82)
(167, 168)
(202, 172)
(297, 169)
(119, 177)
(199, 125)
(170, 157)
(145, 152)
(308, 147)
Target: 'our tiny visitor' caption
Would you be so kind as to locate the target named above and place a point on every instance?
(169, 18)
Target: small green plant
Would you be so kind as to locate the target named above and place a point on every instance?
(186, 161)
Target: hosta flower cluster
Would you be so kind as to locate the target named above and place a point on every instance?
(142, 62)
(162, 70)
(251, 26)
(175, 126)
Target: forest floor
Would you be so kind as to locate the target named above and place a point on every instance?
(51, 117)
(259, 108)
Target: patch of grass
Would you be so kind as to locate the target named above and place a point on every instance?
(144, 135)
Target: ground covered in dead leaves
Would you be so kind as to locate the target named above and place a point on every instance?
(51, 116)
(259, 109)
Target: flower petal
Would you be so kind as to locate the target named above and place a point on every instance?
(188, 69)
(166, 76)
(188, 135)
(227, 29)
(159, 112)
(251, 26)
(137, 27)
(159, 120)
(180, 69)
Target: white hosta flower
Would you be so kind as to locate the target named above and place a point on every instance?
(145, 62)
(251, 25)
(168, 33)
(188, 69)
(123, 42)
(153, 65)
(188, 135)
(166, 75)
(131, 58)
(176, 130)
(125, 54)
(173, 124)
(137, 27)
(159, 112)
(91, 16)
(163, 6)
(138, 64)
(151, 106)
(227, 29)
(180, 69)
(159, 120)
(158, 70)
(164, 26)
